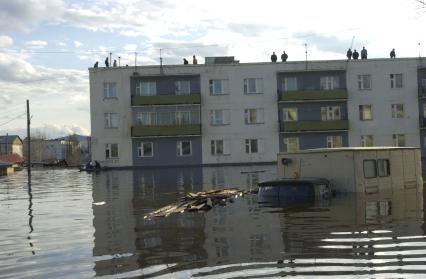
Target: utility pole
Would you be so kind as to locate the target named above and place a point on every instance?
(28, 140)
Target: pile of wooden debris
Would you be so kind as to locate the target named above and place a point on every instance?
(201, 201)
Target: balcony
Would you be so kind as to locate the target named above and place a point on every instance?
(166, 130)
(314, 126)
(313, 95)
(166, 100)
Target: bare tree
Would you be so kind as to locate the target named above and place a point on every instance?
(73, 156)
(38, 145)
(421, 3)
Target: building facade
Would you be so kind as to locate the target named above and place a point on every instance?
(11, 144)
(225, 112)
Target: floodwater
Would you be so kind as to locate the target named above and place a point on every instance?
(67, 224)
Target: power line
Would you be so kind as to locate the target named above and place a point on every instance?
(9, 112)
(152, 48)
(35, 80)
(4, 123)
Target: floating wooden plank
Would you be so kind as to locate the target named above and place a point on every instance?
(200, 201)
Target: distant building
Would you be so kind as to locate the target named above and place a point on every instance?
(11, 144)
(226, 112)
(70, 148)
(5, 168)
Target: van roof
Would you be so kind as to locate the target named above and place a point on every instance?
(357, 149)
(294, 181)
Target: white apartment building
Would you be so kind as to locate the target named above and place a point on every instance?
(226, 112)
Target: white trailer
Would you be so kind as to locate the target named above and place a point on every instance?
(357, 169)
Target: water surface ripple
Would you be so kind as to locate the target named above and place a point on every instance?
(68, 224)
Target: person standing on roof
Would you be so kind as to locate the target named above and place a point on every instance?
(194, 60)
(392, 54)
(274, 57)
(355, 55)
(349, 54)
(363, 53)
(185, 62)
(284, 56)
(106, 62)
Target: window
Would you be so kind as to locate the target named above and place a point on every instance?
(183, 117)
(330, 113)
(424, 110)
(218, 86)
(367, 141)
(370, 170)
(365, 112)
(398, 139)
(182, 87)
(364, 82)
(145, 149)
(424, 83)
(383, 167)
(253, 85)
(146, 118)
(397, 111)
(220, 117)
(290, 114)
(111, 120)
(219, 147)
(395, 80)
(253, 116)
(253, 146)
(146, 88)
(289, 84)
(292, 144)
(373, 168)
(329, 83)
(183, 148)
(334, 141)
(110, 90)
(111, 150)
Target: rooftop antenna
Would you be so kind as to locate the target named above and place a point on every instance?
(161, 62)
(306, 55)
(136, 57)
(351, 46)
(419, 51)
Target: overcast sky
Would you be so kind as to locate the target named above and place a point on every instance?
(46, 46)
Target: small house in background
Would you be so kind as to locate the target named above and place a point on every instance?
(11, 144)
(5, 168)
(14, 160)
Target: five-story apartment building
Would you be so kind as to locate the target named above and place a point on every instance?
(225, 112)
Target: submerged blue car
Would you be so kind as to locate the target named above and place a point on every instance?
(294, 191)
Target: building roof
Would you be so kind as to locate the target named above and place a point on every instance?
(12, 158)
(9, 139)
(4, 164)
(266, 62)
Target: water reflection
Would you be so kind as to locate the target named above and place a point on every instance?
(348, 235)
(30, 212)
(70, 224)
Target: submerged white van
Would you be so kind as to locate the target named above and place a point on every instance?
(357, 169)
